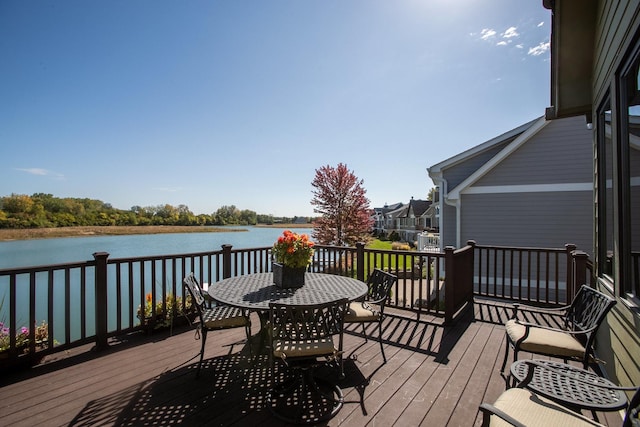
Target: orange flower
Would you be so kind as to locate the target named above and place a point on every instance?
(293, 250)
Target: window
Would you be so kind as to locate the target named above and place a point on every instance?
(618, 183)
(604, 194)
(630, 179)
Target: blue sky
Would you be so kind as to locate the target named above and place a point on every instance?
(212, 103)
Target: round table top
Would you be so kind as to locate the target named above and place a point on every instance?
(256, 291)
(574, 386)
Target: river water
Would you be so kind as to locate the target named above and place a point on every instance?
(40, 252)
(26, 253)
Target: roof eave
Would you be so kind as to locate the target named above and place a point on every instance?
(573, 29)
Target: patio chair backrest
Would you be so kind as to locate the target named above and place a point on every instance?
(380, 284)
(588, 309)
(196, 292)
(303, 322)
(632, 417)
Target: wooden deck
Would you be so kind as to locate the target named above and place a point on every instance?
(435, 376)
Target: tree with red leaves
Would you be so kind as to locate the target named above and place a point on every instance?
(339, 197)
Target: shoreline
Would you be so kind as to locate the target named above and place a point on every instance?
(7, 235)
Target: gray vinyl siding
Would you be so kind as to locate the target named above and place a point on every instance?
(614, 21)
(560, 153)
(546, 220)
(457, 173)
(448, 230)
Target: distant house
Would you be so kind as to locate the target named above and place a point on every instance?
(381, 221)
(530, 187)
(407, 221)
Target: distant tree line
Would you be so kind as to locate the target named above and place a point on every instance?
(45, 210)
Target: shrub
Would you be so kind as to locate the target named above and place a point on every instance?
(164, 319)
(399, 246)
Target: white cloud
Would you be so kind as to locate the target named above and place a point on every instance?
(34, 171)
(519, 46)
(510, 32)
(487, 33)
(41, 172)
(168, 189)
(502, 43)
(541, 24)
(540, 49)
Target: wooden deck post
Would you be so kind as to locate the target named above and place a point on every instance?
(571, 282)
(580, 259)
(101, 299)
(360, 261)
(449, 282)
(226, 261)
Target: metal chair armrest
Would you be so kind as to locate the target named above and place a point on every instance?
(519, 307)
(488, 410)
(378, 301)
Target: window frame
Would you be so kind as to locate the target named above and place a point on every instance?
(618, 276)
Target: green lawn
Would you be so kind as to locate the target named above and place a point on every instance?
(391, 261)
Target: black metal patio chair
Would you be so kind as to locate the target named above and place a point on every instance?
(371, 309)
(302, 339)
(214, 317)
(574, 341)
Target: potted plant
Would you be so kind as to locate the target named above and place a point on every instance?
(292, 254)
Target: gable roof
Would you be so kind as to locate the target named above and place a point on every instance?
(473, 151)
(454, 193)
(418, 207)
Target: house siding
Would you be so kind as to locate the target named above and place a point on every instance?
(448, 229)
(612, 40)
(619, 343)
(559, 153)
(455, 174)
(546, 219)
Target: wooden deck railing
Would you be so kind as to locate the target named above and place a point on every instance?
(66, 305)
(539, 275)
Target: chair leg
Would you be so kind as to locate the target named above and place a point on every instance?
(506, 356)
(364, 332)
(247, 330)
(384, 358)
(204, 340)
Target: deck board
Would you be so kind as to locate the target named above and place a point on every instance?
(435, 375)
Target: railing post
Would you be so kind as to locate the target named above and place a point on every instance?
(580, 272)
(360, 261)
(226, 261)
(101, 299)
(569, 248)
(449, 285)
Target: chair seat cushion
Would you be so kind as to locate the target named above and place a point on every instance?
(533, 410)
(303, 348)
(222, 317)
(544, 341)
(361, 312)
